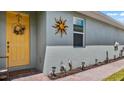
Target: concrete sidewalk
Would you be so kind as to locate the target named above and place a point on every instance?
(95, 74)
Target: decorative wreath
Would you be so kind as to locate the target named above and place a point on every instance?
(60, 26)
(19, 28)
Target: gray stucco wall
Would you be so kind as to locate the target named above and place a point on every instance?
(97, 32)
(33, 33)
(2, 38)
(41, 39)
(100, 38)
(57, 54)
(53, 39)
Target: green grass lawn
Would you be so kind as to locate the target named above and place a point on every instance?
(118, 76)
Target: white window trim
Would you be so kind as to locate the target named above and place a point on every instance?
(84, 32)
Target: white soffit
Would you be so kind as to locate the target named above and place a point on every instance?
(102, 17)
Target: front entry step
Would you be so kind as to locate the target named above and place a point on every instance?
(3, 74)
(22, 73)
(3, 71)
(3, 77)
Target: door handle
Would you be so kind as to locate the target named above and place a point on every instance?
(8, 46)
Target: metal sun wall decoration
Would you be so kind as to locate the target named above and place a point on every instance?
(19, 28)
(60, 26)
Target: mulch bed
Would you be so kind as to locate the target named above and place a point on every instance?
(78, 69)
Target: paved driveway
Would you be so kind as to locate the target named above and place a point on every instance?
(95, 74)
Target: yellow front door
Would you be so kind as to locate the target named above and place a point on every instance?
(17, 38)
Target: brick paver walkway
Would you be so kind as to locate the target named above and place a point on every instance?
(95, 74)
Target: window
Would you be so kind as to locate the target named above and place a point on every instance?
(78, 38)
(79, 32)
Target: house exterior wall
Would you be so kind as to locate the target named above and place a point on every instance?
(2, 37)
(41, 39)
(54, 40)
(100, 37)
(32, 40)
(48, 49)
(98, 33)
